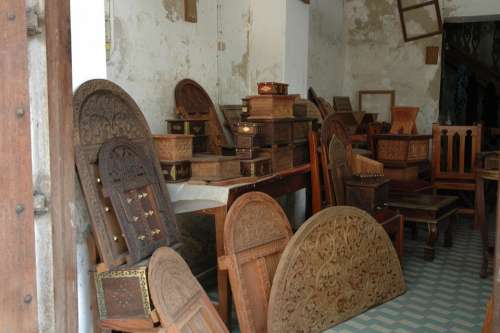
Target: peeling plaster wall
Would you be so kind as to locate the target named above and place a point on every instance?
(326, 47)
(153, 48)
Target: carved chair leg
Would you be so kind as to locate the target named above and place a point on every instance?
(429, 251)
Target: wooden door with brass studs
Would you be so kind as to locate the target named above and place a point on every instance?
(256, 233)
(180, 301)
(130, 182)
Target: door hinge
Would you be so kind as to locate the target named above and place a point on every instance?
(40, 204)
(34, 20)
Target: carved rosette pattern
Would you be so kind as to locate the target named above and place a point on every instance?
(338, 265)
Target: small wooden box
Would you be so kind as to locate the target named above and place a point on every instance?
(247, 141)
(257, 167)
(301, 153)
(123, 293)
(180, 126)
(200, 144)
(281, 156)
(174, 147)
(249, 128)
(397, 148)
(271, 106)
(247, 154)
(272, 88)
(367, 193)
(214, 167)
(176, 171)
(301, 128)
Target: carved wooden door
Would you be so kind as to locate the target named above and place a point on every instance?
(103, 111)
(256, 233)
(180, 301)
(339, 264)
(129, 181)
(193, 102)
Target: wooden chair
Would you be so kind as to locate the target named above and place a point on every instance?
(454, 158)
(256, 233)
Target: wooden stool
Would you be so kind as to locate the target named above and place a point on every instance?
(433, 210)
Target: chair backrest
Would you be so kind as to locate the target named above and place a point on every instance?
(342, 103)
(255, 235)
(323, 106)
(339, 169)
(454, 151)
(181, 303)
(404, 120)
(339, 264)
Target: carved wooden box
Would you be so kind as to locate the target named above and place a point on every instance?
(248, 141)
(276, 131)
(176, 171)
(257, 167)
(247, 154)
(301, 153)
(200, 144)
(367, 193)
(281, 156)
(214, 167)
(192, 127)
(271, 106)
(272, 88)
(396, 148)
(123, 293)
(174, 147)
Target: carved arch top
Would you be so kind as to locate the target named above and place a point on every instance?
(102, 111)
(339, 264)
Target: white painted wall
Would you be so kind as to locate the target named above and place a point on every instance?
(87, 40)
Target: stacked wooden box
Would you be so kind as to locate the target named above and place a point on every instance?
(175, 152)
(271, 130)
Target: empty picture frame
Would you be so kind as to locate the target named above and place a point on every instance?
(420, 18)
(390, 96)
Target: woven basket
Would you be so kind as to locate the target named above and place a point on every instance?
(174, 147)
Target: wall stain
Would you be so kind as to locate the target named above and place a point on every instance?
(241, 68)
(174, 9)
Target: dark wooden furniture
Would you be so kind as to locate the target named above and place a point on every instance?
(232, 116)
(487, 169)
(271, 106)
(193, 103)
(366, 193)
(454, 158)
(323, 106)
(342, 104)
(433, 211)
(311, 293)
(255, 235)
(214, 167)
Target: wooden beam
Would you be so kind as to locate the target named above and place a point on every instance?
(18, 301)
(62, 163)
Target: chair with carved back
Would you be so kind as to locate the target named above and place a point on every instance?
(256, 233)
(454, 158)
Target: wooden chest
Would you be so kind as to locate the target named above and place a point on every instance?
(271, 106)
(367, 193)
(301, 128)
(214, 167)
(123, 293)
(257, 167)
(200, 144)
(272, 88)
(174, 147)
(280, 155)
(176, 171)
(276, 131)
(180, 126)
(397, 148)
(247, 154)
(247, 141)
(301, 153)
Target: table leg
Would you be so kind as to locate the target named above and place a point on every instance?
(222, 276)
(448, 231)
(480, 222)
(432, 234)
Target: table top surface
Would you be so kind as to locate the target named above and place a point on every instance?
(421, 201)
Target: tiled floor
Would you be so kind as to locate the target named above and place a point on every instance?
(445, 295)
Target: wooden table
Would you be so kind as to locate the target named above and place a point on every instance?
(433, 210)
(216, 200)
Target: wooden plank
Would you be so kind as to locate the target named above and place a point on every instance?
(496, 273)
(60, 97)
(449, 152)
(315, 173)
(18, 305)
